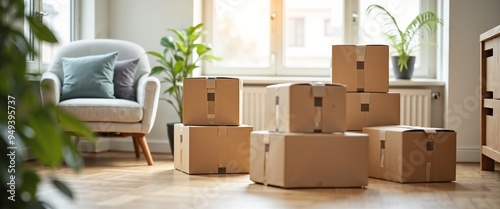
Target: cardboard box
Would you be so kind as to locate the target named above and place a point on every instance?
(361, 68)
(372, 109)
(412, 154)
(492, 47)
(302, 160)
(212, 149)
(212, 101)
(492, 110)
(306, 108)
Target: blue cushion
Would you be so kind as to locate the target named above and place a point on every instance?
(88, 77)
(123, 78)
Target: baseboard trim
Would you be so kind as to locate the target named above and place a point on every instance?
(162, 146)
(155, 145)
(468, 154)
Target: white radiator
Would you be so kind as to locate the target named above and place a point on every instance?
(415, 106)
(254, 106)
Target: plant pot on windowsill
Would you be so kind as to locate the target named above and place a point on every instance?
(405, 72)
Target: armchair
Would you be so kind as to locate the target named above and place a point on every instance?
(109, 117)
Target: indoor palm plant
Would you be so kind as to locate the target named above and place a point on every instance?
(404, 41)
(182, 54)
(24, 122)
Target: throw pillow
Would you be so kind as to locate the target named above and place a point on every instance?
(123, 78)
(89, 76)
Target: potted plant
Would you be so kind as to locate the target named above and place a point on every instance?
(179, 58)
(403, 42)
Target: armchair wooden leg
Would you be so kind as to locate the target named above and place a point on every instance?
(136, 146)
(145, 149)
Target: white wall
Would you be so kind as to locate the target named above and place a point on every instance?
(145, 22)
(465, 21)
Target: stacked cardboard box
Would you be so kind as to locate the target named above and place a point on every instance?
(212, 138)
(396, 153)
(365, 72)
(299, 148)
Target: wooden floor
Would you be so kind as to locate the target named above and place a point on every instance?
(118, 180)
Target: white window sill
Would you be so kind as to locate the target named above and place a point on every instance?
(261, 80)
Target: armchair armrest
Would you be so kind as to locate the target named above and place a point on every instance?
(148, 94)
(50, 88)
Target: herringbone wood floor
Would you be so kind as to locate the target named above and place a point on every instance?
(118, 180)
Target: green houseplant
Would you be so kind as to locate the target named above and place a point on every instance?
(182, 54)
(24, 122)
(403, 41)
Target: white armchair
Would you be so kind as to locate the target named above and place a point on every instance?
(105, 116)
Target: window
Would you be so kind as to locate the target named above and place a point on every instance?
(58, 15)
(294, 37)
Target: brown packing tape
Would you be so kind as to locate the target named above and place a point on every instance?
(365, 102)
(211, 105)
(223, 154)
(210, 85)
(360, 80)
(318, 92)
(381, 138)
(360, 53)
(429, 151)
(182, 143)
(360, 66)
(318, 89)
(222, 131)
(265, 139)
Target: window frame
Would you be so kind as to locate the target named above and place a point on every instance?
(277, 45)
(36, 66)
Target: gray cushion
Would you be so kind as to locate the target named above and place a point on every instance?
(123, 78)
(89, 76)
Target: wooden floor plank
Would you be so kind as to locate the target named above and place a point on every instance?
(119, 180)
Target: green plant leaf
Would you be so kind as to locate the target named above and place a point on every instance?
(156, 54)
(157, 70)
(30, 182)
(181, 35)
(201, 49)
(72, 124)
(71, 155)
(179, 66)
(40, 30)
(167, 42)
(182, 47)
(211, 58)
(62, 188)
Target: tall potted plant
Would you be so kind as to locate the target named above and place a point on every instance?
(181, 55)
(403, 42)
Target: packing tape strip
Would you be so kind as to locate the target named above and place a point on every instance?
(182, 143)
(318, 92)
(210, 86)
(360, 84)
(265, 139)
(222, 131)
(211, 106)
(277, 111)
(382, 147)
(360, 53)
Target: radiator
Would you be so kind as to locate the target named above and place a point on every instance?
(254, 106)
(415, 106)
